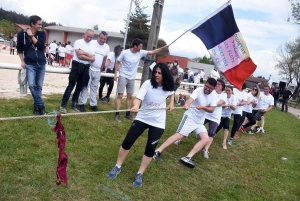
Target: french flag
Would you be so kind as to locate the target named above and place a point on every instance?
(225, 44)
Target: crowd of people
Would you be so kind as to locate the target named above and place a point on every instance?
(206, 105)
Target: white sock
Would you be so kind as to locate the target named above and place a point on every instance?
(118, 166)
(140, 173)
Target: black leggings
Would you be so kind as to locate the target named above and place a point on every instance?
(250, 117)
(224, 123)
(110, 82)
(136, 130)
(236, 123)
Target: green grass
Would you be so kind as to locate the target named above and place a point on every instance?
(250, 169)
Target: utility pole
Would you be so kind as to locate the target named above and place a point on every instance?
(153, 38)
(127, 23)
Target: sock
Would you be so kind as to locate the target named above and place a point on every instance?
(117, 113)
(118, 166)
(140, 173)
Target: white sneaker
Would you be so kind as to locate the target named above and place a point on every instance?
(262, 130)
(224, 145)
(259, 130)
(177, 142)
(205, 154)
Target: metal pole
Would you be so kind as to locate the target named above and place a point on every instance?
(128, 19)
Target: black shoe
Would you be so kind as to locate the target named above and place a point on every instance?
(41, 110)
(157, 156)
(94, 108)
(36, 110)
(82, 108)
(187, 161)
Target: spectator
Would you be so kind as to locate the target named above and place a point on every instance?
(276, 95)
(52, 50)
(69, 53)
(286, 95)
(214, 73)
(12, 46)
(62, 53)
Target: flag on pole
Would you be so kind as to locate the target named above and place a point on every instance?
(225, 44)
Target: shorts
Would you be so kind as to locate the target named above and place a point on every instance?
(258, 114)
(124, 82)
(69, 56)
(188, 125)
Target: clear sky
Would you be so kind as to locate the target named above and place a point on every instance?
(262, 23)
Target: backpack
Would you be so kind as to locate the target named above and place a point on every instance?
(174, 71)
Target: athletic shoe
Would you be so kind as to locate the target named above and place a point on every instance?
(205, 154)
(117, 118)
(114, 172)
(102, 100)
(63, 110)
(36, 110)
(250, 132)
(243, 130)
(262, 130)
(187, 161)
(94, 108)
(138, 180)
(259, 130)
(224, 146)
(75, 109)
(107, 100)
(82, 108)
(157, 156)
(229, 141)
(129, 117)
(177, 142)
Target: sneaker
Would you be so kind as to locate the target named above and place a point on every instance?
(262, 130)
(250, 132)
(224, 146)
(102, 100)
(129, 117)
(243, 129)
(82, 108)
(63, 110)
(114, 172)
(94, 108)
(117, 118)
(187, 161)
(74, 108)
(36, 110)
(138, 180)
(259, 130)
(177, 142)
(205, 154)
(229, 141)
(157, 156)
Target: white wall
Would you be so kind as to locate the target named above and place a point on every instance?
(195, 67)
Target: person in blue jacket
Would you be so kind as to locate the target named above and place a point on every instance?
(31, 50)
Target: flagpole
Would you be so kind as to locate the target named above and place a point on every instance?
(179, 37)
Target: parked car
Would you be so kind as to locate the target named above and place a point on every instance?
(2, 40)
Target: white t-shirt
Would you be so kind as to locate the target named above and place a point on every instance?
(240, 96)
(52, 48)
(69, 49)
(249, 107)
(100, 51)
(62, 51)
(226, 111)
(214, 74)
(130, 62)
(152, 98)
(265, 101)
(112, 58)
(87, 47)
(202, 74)
(216, 115)
(200, 98)
(196, 79)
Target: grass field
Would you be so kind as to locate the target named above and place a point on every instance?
(250, 169)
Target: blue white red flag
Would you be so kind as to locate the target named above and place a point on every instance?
(225, 44)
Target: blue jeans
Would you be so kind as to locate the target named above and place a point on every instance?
(275, 103)
(35, 76)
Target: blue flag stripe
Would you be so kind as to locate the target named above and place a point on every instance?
(218, 28)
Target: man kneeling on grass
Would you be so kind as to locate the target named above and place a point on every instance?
(202, 100)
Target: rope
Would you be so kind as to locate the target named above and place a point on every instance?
(54, 114)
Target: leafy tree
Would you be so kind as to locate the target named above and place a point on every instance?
(295, 12)
(206, 60)
(96, 27)
(138, 25)
(161, 43)
(7, 27)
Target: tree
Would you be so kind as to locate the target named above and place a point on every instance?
(96, 27)
(206, 60)
(161, 43)
(138, 25)
(288, 61)
(295, 12)
(7, 27)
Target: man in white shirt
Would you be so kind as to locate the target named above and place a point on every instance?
(265, 104)
(79, 74)
(52, 50)
(203, 100)
(101, 50)
(215, 73)
(69, 53)
(202, 76)
(130, 59)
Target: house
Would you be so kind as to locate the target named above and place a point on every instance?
(64, 34)
(252, 81)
